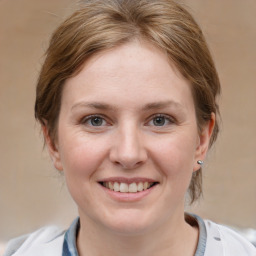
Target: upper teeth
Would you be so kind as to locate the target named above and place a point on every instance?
(125, 187)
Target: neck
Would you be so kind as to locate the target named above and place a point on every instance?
(163, 241)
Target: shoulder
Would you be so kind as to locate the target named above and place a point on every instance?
(224, 241)
(41, 242)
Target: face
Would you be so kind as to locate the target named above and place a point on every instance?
(128, 141)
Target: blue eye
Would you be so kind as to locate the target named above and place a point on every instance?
(94, 121)
(161, 120)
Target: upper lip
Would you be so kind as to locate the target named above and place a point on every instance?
(127, 180)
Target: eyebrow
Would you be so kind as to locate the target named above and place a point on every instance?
(162, 104)
(95, 105)
(149, 106)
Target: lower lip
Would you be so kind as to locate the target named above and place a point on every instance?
(128, 197)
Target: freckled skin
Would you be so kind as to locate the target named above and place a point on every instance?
(123, 81)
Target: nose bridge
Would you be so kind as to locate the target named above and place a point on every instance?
(128, 150)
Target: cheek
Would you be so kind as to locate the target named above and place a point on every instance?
(80, 161)
(80, 158)
(174, 156)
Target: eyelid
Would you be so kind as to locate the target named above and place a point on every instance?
(171, 119)
(88, 117)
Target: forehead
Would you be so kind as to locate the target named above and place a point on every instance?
(131, 58)
(133, 72)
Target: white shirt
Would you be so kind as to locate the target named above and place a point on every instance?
(214, 240)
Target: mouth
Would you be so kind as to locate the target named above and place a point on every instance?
(128, 187)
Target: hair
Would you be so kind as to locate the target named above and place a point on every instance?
(103, 24)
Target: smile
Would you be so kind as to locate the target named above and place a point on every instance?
(128, 188)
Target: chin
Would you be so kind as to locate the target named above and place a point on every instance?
(129, 222)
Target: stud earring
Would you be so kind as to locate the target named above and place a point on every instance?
(200, 162)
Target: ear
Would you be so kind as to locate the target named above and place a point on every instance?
(204, 141)
(52, 149)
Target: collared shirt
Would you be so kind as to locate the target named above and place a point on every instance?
(69, 245)
(70, 249)
(214, 240)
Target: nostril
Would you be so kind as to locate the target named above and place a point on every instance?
(129, 165)
(128, 152)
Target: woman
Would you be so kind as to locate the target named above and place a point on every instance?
(127, 100)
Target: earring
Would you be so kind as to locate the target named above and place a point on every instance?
(200, 162)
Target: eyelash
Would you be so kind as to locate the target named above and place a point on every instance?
(167, 118)
(86, 119)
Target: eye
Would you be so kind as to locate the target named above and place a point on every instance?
(94, 121)
(161, 120)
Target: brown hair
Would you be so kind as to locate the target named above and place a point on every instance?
(102, 24)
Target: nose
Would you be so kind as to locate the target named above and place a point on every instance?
(128, 149)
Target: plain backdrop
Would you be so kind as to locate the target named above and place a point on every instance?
(33, 194)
